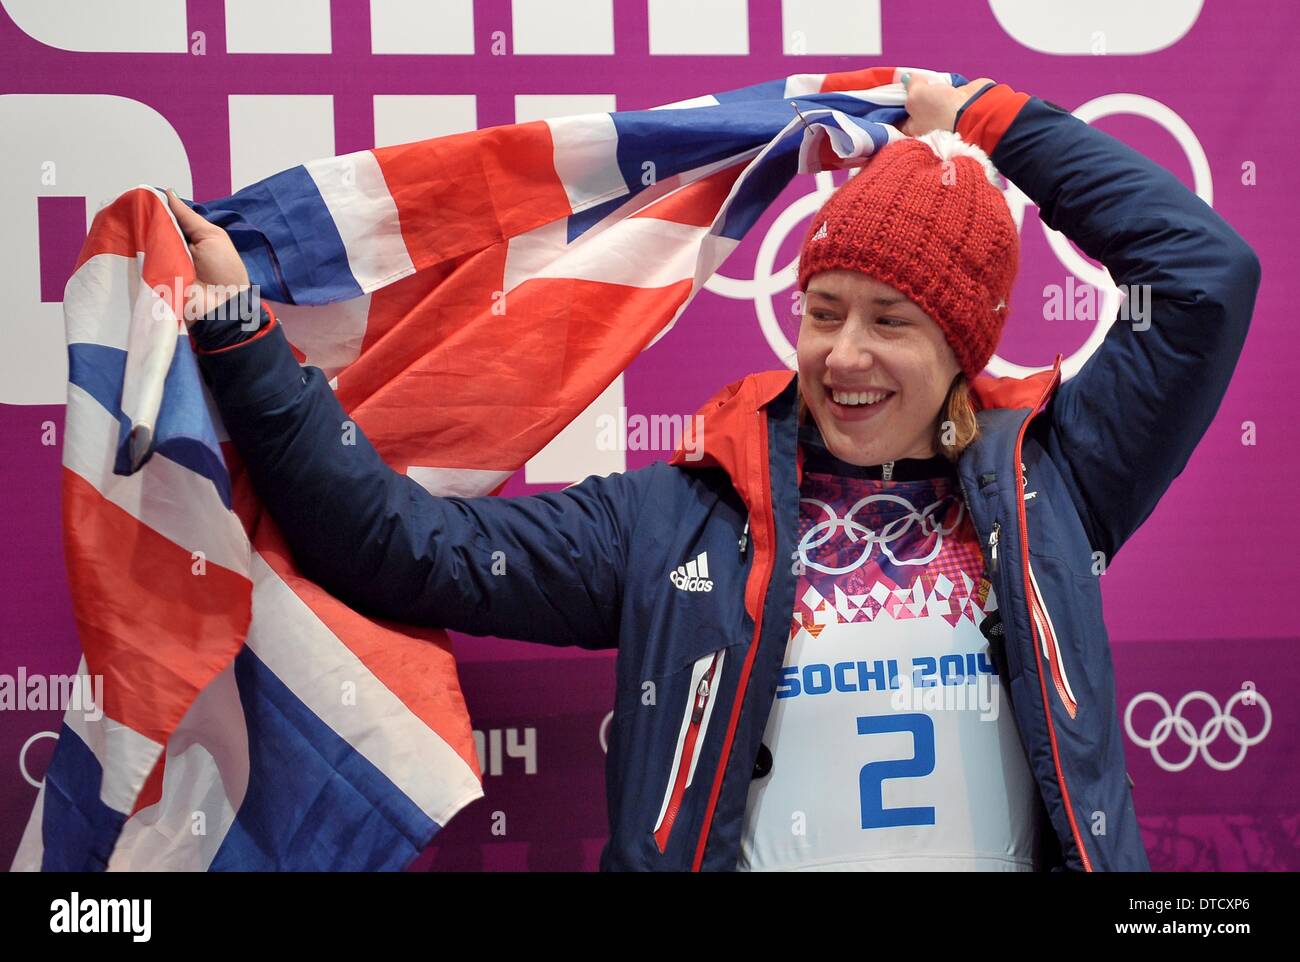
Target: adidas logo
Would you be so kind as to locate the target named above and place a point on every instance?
(694, 575)
(821, 232)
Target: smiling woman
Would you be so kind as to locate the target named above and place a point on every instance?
(885, 383)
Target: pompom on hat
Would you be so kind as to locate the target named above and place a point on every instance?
(926, 216)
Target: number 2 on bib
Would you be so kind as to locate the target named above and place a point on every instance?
(874, 813)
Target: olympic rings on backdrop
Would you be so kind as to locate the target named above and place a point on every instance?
(1221, 721)
(22, 756)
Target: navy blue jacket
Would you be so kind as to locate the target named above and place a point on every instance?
(1059, 472)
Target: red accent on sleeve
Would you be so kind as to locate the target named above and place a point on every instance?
(985, 121)
(230, 347)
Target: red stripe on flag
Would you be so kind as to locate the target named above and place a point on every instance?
(156, 632)
(151, 792)
(389, 305)
(461, 193)
(137, 222)
(826, 155)
(243, 499)
(859, 79)
(462, 387)
(697, 204)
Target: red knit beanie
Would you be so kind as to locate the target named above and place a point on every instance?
(925, 215)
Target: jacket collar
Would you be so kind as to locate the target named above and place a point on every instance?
(1013, 392)
(731, 418)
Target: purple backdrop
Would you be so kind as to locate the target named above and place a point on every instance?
(1196, 602)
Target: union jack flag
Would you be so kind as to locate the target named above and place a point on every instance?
(250, 720)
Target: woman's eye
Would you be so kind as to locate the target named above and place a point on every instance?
(822, 316)
(893, 321)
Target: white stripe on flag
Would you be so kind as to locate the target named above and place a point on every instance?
(708, 100)
(31, 849)
(586, 159)
(172, 500)
(206, 772)
(846, 137)
(618, 258)
(126, 756)
(365, 215)
(804, 84)
(331, 335)
(714, 249)
(313, 663)
(97, 301)
(151, 345)
(461, 482)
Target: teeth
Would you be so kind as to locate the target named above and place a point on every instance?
(858, 397)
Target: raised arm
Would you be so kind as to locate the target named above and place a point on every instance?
(547, 568)
(1127, 423)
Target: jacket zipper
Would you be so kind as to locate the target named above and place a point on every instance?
(1031, 596)
(1046, 630)
(993, 534)
(761, 465)
(694, 725)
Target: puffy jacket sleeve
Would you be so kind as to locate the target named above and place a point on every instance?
(1125, 426)
(546, 568)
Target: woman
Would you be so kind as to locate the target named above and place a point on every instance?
(797, 611)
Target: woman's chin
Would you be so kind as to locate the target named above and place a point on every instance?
(853, 451)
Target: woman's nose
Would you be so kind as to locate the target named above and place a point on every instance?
(850, 351)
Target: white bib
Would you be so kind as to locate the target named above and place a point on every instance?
(893, 748)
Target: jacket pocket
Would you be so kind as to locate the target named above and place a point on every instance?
(706, 676)
(1050, 646)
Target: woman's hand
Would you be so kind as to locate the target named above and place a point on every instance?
(934, 106)
(220, 272)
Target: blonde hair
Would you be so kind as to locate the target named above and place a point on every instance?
(956, 428)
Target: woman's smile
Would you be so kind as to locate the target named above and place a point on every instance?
(857, 412)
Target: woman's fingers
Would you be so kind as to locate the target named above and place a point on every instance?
(193, 225)
(219, 271)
